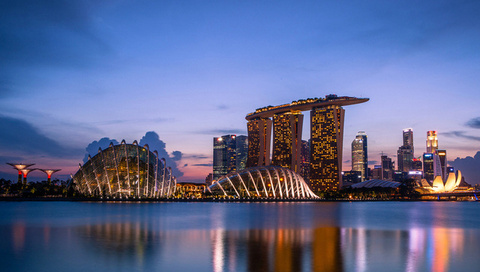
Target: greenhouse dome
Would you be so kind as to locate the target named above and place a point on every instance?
(123, 171)
(262, 182)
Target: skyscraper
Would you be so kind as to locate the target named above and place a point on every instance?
(432, 141)
(360, 154)
(442, 156)
(224, 155)
(387, 168)
(405, 152)
(241, 152)
(428, 162)
(326, 148)
(259, 134)
(326, 127)
(287, 140)
(305, 164)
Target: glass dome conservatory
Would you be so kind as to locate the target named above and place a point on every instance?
(124, 171)
(262, 182)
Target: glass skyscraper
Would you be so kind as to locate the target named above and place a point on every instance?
(360, 154)
(405, 153)
(224, 155)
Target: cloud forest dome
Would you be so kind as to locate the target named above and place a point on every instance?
(262, 182)
(125, 170)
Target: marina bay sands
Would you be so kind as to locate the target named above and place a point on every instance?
(286, 122)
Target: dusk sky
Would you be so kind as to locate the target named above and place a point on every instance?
(74, 72)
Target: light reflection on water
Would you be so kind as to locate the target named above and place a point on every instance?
(360, 237)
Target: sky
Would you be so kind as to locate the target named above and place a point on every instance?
(179, 73)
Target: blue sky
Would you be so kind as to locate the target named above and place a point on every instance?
(73, 73)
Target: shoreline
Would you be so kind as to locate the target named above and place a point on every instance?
(214, 200)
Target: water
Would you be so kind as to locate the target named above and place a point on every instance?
(329, 236)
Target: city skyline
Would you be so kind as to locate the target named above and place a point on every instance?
(76, 73)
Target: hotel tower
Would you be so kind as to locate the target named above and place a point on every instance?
(326, 137)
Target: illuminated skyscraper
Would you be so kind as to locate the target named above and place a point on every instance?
(242, 152)
(326, 140)
(442, 156)
(287, 140)
(428, 162)
(432, 141)
(326, 148)
(259, 134)
(360, 154)
(224, 155)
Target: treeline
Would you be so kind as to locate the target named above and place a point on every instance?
(57, 188)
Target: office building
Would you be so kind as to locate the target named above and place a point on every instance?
(241, 152)
(405, 152)
(428, 164)
(224, 155)
(387, 168)
(442, 157)
(360, 155)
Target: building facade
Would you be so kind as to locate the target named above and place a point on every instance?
(242, 152)
(432, 141)
(259, 134)
(360, 155)
(224, 155)
(326, 137)
(287, 140)
(405, 153)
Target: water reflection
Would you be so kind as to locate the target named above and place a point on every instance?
(273, 243)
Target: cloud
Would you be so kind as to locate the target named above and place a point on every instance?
(460, 134)
(19, 136)
(469, 167)
(176, 155)
(203, 164)
(93, 147)
(196, 156)
(373, 162)
(474, 123)
(154, 143)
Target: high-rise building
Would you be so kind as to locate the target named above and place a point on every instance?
(224, 155)
(326, 128)
(305, 162)
(428, 162)
(259, 134)
(287, 140)
(387, 168)
(405, 152)
(408, 138)
(326, 148)
(241, 152)
(360, 155)
(432, 141)
(442, 157)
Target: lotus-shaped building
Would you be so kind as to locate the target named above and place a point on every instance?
(452, 182)
(262, 182)
(125, 171)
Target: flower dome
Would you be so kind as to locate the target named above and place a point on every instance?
(123, 171)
